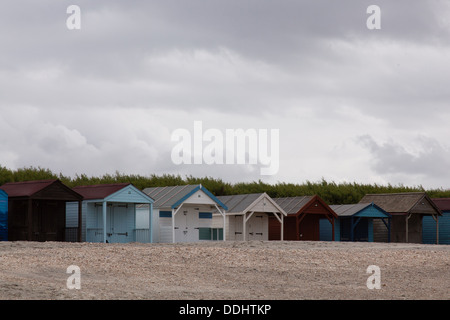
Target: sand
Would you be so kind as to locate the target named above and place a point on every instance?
(224, 270)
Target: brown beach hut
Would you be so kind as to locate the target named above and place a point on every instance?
(407, 210)
(303, 218)
(37, 209)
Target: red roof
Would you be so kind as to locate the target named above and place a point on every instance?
(100, 191)
(442, 203)
(25, 188)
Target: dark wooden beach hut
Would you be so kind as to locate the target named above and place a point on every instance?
(37, 209)
(406, 210)
(303, 218)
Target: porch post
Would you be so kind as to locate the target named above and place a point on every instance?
(174, 212)
(244, 229)
(150, 222)
(104, 207)
(332, 229)
(173, 225)
(80, 224)
(436, 218)
(224, 228)
(245, 223)
(389, 230)
(282, 226)
(30, 219)
(407, 231)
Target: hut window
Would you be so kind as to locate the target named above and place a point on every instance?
(205, 215)
(165, 214)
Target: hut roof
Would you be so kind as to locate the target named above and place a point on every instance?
(173, 196)
(292, 205)
(54, 189)
(297, 205)
(442, 203)
(25, 188)
(241, 203)
(100, 191)
(348, 210)
(399, 202)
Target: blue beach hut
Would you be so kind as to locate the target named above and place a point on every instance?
(3, 216)
(355, 222)
(443, 227)
(108, 213)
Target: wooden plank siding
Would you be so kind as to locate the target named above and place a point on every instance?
(120, 200)
(37, 209)
(3, 216)
(303, 218)
(407, 211)
(429, 229)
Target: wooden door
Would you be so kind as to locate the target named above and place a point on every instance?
(255, 227)
(118, 225)
(309, 228)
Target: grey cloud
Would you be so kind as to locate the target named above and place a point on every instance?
(106, 97)
(429, 158)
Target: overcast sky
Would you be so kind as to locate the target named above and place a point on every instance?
(351, 104)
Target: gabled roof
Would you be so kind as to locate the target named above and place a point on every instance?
(242, 203)
(100, 191)
(292, 205)
(239, 202)
(348, 210)
(116, 192)
(399, 202)
(40, 189)
(173, 196)
(299, 205)
(442, 203)
(25, 188)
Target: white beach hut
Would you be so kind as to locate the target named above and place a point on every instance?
(247, 217)
(184, 214)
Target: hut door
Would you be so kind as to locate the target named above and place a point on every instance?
(255, 227)
(186, 226)
(309, 228)
(238, 225)
(181, 226)
(118, 222)
(49, 220)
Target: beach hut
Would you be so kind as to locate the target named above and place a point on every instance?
(109, 213)
(184, 214)
(37, 209)
(355, 222)
(429, 225)
(247, 217)
(3, 216)
(303, 218)
(407, 211)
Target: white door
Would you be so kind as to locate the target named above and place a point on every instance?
(186, 226)
(192, 226)
(180, 226)
(255, 227)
